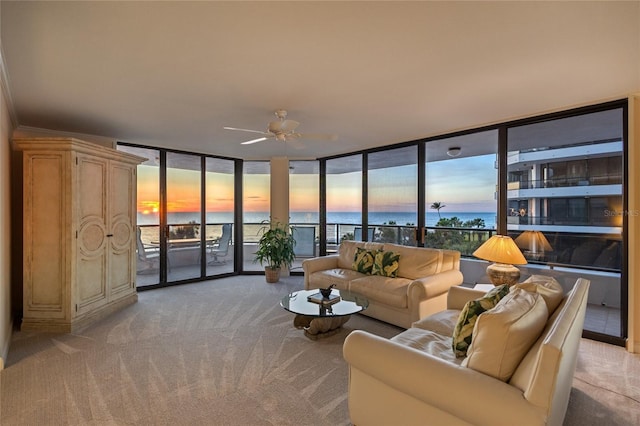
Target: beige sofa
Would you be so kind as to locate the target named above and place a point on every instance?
(420, 288)
(412, 378)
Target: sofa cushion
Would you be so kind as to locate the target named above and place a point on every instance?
(417, 262)
(347, 251)
(463, 330)
(503, 335)
(385, 290)
(547, 287)
(338, 276)
(363, 260)
(442, 322)
(428, 341)
(385, 263)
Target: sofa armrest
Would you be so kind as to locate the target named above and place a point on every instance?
(459, 296)
(434, 285)
(322, 263)
(461, 392)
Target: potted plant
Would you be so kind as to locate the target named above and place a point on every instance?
(275, 249)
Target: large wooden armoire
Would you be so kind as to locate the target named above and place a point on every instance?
(79, 232)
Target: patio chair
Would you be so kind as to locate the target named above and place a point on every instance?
(218, 249)
(305, 237)
(148, 255)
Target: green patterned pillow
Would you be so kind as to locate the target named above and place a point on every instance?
(363, 260)
(463, 331)
(386, 264)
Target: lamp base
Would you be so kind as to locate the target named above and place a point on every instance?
(500, 273)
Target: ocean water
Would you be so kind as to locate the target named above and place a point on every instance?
(375, 218)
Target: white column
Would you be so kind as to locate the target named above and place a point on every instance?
(280, 189)
(280, 194)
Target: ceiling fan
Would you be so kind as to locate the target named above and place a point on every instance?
(283, 130)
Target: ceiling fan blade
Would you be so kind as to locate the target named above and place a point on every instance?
(254, 141)
(295, 143)
(323, 136)
(245, 130)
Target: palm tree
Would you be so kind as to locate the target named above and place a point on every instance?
(437, 206)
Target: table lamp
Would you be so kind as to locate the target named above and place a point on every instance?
(504, 252)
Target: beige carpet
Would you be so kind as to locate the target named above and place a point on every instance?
(224, 353)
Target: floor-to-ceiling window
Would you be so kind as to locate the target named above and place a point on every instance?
(148, 215)
(256, 207)
(566, 206)
(304, 208)
(392, 195)
(344, 200)
(461, 199)
(183, 216)
(220, 210)
(556, 184)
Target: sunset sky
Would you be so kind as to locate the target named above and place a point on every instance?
(463, 184)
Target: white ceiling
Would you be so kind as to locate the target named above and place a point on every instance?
(172, 74)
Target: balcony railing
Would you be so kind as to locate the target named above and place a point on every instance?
(571, 250)
(611, 179)
(609, 219)
(465, 240)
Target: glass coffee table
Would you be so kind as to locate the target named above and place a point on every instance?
(322, 320)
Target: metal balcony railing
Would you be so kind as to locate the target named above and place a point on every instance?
(560, 182)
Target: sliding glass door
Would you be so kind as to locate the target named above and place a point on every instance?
(183, 207)
(148, 216)
(256, 207)
(344, 201)
(220, 211)
(304, 209)
(186, 216)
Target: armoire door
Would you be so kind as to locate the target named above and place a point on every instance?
(92, 233)
(122, 256)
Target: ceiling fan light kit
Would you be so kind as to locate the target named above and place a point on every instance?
(454, 151)
(282, 130)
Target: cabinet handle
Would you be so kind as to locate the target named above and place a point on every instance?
(109, 235)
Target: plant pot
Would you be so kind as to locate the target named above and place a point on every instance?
(272, 275)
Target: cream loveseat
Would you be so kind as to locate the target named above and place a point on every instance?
(415, 379)
(419, 289)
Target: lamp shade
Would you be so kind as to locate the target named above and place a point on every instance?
(501, 249)
(534, 241)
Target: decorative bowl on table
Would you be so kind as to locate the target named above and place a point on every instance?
(326, 292)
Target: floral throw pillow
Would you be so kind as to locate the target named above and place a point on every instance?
(463, 331)
(363, 260)
(386, 264)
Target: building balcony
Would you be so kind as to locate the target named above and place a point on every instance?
(538, 156)
(586, 190)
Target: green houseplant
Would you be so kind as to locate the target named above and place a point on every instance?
(275, 249)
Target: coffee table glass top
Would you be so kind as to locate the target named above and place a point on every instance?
(350, 303)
